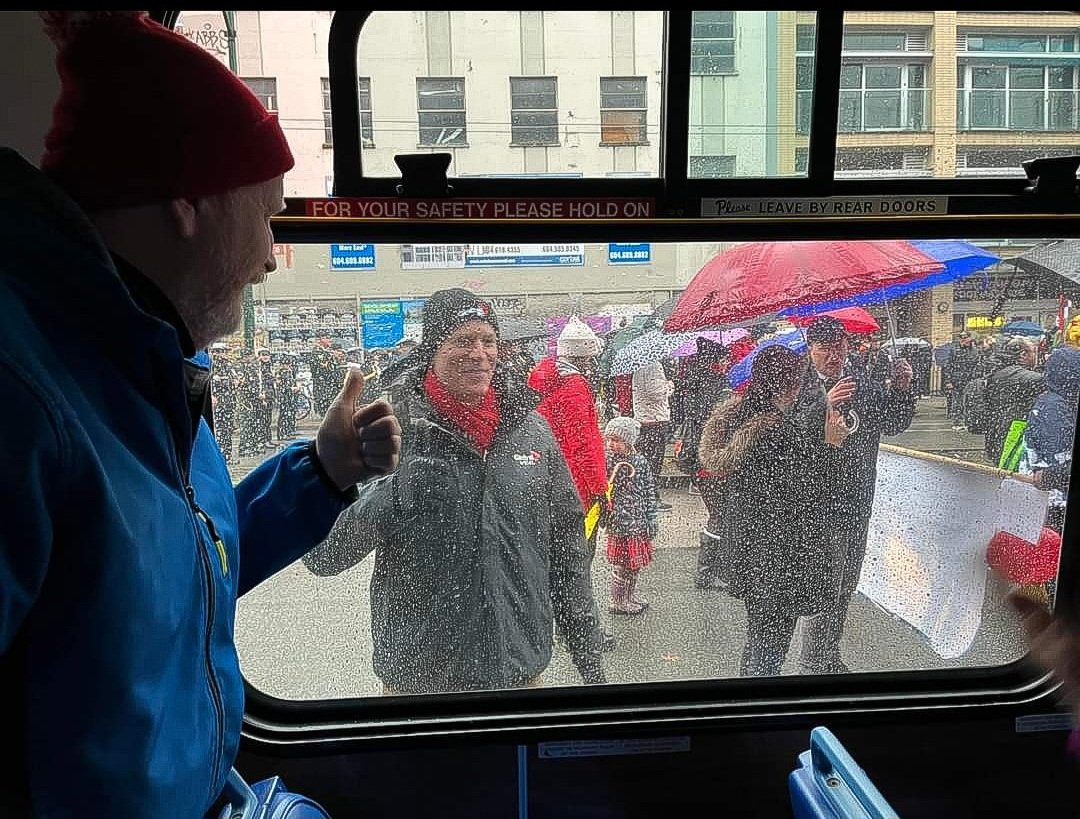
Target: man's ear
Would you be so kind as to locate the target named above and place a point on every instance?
(185, 215)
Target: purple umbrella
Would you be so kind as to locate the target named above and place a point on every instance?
(725, 337)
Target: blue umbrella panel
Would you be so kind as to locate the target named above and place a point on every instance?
(740, 373)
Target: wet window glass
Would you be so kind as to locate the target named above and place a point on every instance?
(817, 482)
(364, 90)
(751, 93)
(956, 94)
(577, 94)
(282, 57)
(535, 110)
(556, 94)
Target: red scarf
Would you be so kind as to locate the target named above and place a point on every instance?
(478, 422)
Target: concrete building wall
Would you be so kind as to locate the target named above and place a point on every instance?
(728, 112)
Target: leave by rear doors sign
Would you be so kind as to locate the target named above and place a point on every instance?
(781, 207)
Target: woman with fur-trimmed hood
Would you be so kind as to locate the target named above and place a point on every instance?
(751, 445)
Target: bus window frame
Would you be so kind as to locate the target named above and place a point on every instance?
(978, 208)
(667, 703)
(677, 194)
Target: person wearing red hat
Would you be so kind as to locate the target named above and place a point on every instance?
(123, 543)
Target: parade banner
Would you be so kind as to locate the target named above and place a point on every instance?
(932, 520)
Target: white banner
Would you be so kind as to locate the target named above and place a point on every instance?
(926, 551)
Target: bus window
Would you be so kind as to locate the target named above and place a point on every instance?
(540, 94)
(282, 56)
(751, 93)
(961, 383)
(955, 94)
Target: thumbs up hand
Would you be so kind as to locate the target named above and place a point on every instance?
(354, 442)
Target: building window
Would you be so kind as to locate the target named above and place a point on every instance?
(327, 119)
(623, 111)
(712, 167)
(874, 162)
(367, 139)
(991, 161)
(882, 97)
(859, 40)
(1017, 97)
(1015, 43)
(265, 88)
(367, 134)
(875, 41)
(804, 77)
(712, 47)
(534, 111)
(802, 160)
(440, 103)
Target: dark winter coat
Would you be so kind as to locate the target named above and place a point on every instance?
(961, 366)
(475, 553)
(1052, 420)
(771, 505)
(633, 501)
(1009, 396)
(847, 474)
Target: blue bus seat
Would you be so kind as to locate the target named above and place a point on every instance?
(829, 785)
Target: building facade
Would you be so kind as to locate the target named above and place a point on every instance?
(578, 94)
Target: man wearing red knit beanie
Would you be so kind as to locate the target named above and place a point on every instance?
(123, 544)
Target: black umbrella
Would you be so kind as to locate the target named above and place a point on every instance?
(1061, 257)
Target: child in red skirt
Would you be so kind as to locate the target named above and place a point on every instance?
(631, 518)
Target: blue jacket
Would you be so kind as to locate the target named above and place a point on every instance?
(123, 692)
(1052, 420)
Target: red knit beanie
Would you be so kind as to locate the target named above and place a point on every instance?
(145, 115)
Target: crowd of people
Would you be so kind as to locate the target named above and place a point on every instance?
(125, 543)
(785, 465)
(256, 395)
(1021, 394)
(789, 462)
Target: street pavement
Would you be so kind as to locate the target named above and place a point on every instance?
(303, 637)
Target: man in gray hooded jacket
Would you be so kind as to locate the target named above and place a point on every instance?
(479, 537)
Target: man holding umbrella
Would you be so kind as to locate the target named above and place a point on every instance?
(847, 472)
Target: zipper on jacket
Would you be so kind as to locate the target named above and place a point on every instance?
(183, 451)
(219, 544)
(211, 615)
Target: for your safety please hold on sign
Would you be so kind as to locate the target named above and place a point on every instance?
(480, 208)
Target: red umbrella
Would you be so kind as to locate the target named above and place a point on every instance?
(757, 279)
(856, 320)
